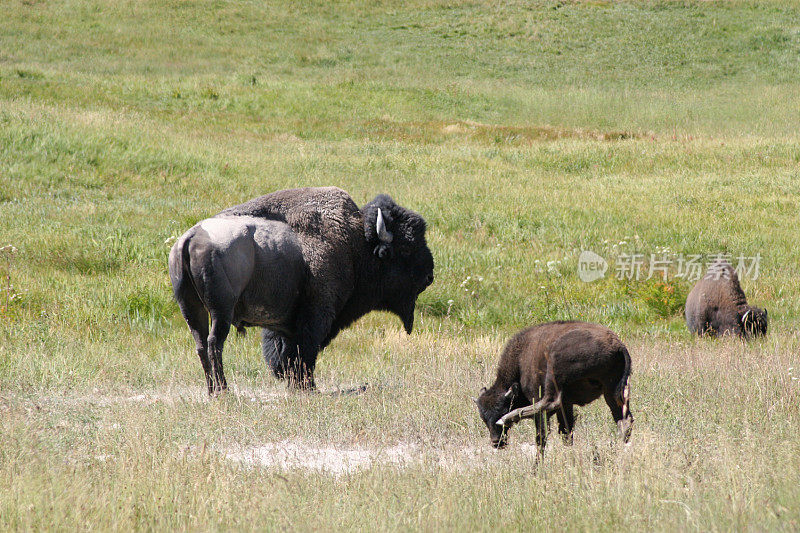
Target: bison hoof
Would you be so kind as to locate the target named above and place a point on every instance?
(625, 428)
(302, 385)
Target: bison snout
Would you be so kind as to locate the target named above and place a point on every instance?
(428, 280)
(499, 443)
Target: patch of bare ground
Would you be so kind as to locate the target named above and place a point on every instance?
(288, 138)
(177, 394)
(344, 459)
(440, 131)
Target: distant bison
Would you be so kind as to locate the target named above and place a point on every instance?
(546, 369)
(301, 263)
(717, 306)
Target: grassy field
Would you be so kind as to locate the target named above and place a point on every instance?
(524, 132)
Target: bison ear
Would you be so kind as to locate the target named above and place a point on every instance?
(512, 391)
(483, 390)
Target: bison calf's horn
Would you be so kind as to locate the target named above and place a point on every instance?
(548, 369)
(516, 415)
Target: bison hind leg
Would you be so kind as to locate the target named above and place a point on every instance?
(549, 403)
(196, 317)
(566, 422)
(220, 327)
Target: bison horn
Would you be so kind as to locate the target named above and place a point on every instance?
(512, 417)
(744, 317)
(383, 234)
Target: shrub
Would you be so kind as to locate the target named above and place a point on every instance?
(665, 298)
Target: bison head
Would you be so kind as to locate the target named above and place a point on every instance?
(404, 264)
(492, 405)
(754, 321)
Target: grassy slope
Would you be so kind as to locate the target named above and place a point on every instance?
(522, 132)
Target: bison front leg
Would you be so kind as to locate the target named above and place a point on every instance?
(300, 373)
(566, 422)
(313, 331)
(542, 428)
(620, 410)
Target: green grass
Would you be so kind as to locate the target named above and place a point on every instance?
(524, 132)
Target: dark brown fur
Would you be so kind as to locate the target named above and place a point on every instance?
(557, 365)
(717, 306)
(344, 270)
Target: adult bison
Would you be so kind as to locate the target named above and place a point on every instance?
(546, 369)
(717, 305)
(302, 264)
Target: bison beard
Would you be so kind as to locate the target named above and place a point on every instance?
(353, 261)
(396, 267)
(277, 351)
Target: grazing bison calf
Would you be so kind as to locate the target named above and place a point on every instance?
(717, 305)
(303, 264)
(546, 369)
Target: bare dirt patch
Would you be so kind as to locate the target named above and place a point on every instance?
(178, 395)
(290, 455)
(438, 131)
(343, 459)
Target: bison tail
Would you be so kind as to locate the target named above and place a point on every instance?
(180, 275)
(623, 392)
(176, 266)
